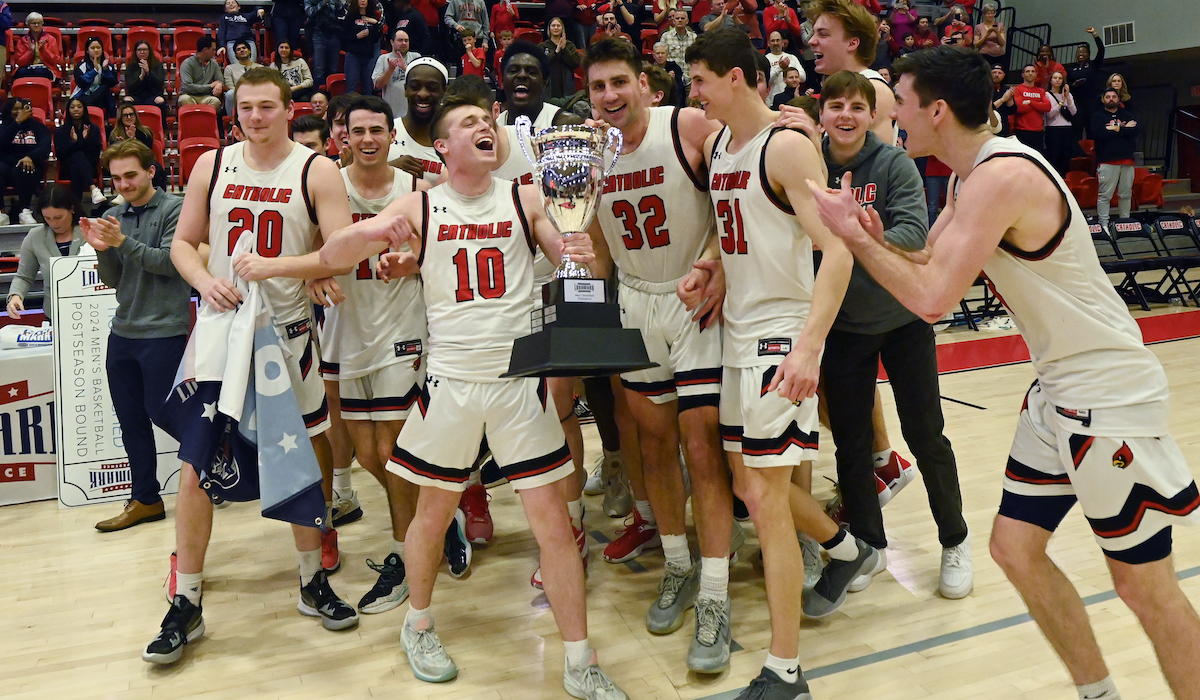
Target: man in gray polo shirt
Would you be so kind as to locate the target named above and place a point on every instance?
(149, 331)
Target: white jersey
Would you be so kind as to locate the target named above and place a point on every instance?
(879, 83)
(1086, 348)
(405, 145)
(516, 167)
(380, 323)
(272, 206)
(477, 264)
(767, 256)
(544, 119)
(654, 209)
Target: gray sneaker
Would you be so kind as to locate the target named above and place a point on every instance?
(813, 563)
(428, 659)
(590, 683)
(676, 593)
(769, 686)
(618, 496)
(594, 485)
(709, 652)
(830, 592)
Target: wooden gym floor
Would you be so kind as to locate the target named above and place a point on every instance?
(79, 606)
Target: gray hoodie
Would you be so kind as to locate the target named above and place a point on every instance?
(887, 178)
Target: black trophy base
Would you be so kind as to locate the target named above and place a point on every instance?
(565, 351)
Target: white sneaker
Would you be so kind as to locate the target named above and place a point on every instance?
(590, 683)
(813, 563)
(861, 582)
(3, 219)
(594, 486)
(26, 217)
(97, 196)
(957, 576)
(118, 201)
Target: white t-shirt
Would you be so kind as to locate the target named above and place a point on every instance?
(393, 92)
(776, 77)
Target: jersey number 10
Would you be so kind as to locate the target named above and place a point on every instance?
(269, 227)
(489, 271)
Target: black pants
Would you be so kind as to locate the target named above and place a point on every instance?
(850, 367)
(81, 170)
(140, 374)
(24, 184)
(1034, 139)
(1061, 146)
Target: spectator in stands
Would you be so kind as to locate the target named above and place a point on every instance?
(563, 56)
(957, 22)
(38, 53)
(364, 30)
(990, 35)
(661, 13)
(1046, 65)
(389, 72)
(745, 13)
(925, 37)
(719, 16)
(504, 16)
(955, 38)
(145, 78)
(871, 6)
(1086, 75)
(400, 14)
(129, 126)
(885, 72)
(609, 29)
(77, 146)
(1032, 102)
(325, 19)
(582, 20)
(200, 79)
(1116, 81)
(24, 150)
(886, 48)
(235, 70)
(673, 71)
(320, 102)
(287, 18)
(58, 236)
(677, 40)
(662, 86)
(236, 26)
(779, 62)
(504, 40)
(150, 327)
(1115, 132)
(1061, 143)
(793, 87)
(311, 132)
(295, 71)
(903, 19)
(907, 46)
(437, 45)
(630, 14)
(1004, 105)
(95, 77)
(783, 19)
(474, 59)
(462, 15)
(6, 23)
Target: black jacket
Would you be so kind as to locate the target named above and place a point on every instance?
(19, 139)
(1112, 146)
(65, 147)
(411, 21)
(1087, 79)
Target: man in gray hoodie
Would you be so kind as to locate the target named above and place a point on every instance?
(872, 325)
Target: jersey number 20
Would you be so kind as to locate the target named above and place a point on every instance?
(489, 271)
(268, 226)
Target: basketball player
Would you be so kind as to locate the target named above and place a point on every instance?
(474, 238)
(777, 313)
(1093, 427)
(412, 150)
(523, 72)
(311, 198)
(844, 38)
(655, 220)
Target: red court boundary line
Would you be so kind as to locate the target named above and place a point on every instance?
(966, 355)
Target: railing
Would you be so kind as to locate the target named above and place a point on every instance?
(1154, 105)
(1024, 42)
(1065, 53)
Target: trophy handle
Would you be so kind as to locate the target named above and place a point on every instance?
(616, 141)
(524, 133)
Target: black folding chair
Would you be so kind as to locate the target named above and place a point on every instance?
(1113, 264)
(1135, 241)
(1182, 248)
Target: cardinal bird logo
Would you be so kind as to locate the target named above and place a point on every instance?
(1123, 457)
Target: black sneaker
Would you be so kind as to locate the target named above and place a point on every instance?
(830, 592)
(317, 599)
(184, 622)
(769, 686)
(457, 548)
(390, 589)
(740, 512)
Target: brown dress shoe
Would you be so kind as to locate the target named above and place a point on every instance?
(135, 512)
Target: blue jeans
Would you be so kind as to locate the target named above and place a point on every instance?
(358, 72)
(285, 25)
(326, 49)
(935, 185)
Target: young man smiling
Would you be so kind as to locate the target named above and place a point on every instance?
(844, 38)
(412, 149)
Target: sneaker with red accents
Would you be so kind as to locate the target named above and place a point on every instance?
(170, 582)
(836, 507)
(637, 537)
(897, 472)
(580, 542)
(474, 505)
(331, 560)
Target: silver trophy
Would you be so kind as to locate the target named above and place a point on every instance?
(578, 332)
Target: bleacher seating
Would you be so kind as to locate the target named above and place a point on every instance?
(197, 121)
(190, 150)
(37, 90)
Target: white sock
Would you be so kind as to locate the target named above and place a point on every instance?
(842, 547)
(714, 578)
(578, 653)
(310, 564)
(675, 549)
(1104, 690)
(397, 548)
(881, 458)
(575, 510)
(644, 510)
(418, 619)
(787, 669)
(188, 586)
(341, 483)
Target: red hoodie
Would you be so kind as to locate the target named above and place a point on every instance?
(1029, 116)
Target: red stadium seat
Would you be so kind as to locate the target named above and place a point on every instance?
(151, 117)
(533, 36)
(1081, 165)
(103, 33)
(97, 116)
(187, 23)
(1148, 191)
(189, 151)
(95, 22)
(150, 35)
(198, 121)
(335, 84)
(1087, 193)
(140, 23)
(185, 38)
(1074, 177)
(37, 90)
(300, 109)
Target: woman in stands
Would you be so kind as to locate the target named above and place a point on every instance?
(95, 77)
(295, 70)
(38, 53)
(77, 145)
(1116, 81)
(991, 35)
(363, 29)
(59, 236)
(130, 126)
(24, 150)
(563, 56)
(1061, 144)
(145, 78)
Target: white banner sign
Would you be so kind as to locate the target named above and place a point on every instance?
(27, 459)
(92, 466)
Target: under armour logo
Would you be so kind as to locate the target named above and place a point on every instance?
(231, 169)
(434, 381)
(717, 155)
(440, 210)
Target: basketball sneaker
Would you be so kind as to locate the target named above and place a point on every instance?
(709, 651)
(676, 593)
(618, 496)
(590, 683)
(594, 486)
(813, 563)
(861, 581)
(331, 559)
(830, 592)
(836, 507)
(457, 548)
(182, 625)
(635, 538)
(474, 505)
(584, 552)
(390, 589)
(346, 510)
(957, 576)
(317, 599)
(897, 473)
(426, 656)
(769, 686)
